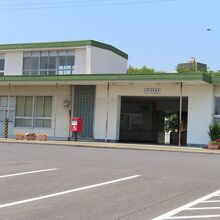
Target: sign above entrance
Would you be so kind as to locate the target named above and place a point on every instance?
(151, 90)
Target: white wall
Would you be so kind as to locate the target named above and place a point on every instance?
(217, 90)
(80, 61)
(13, 63)
(200, 113)
(200, 108)
(105, 61)
(59, 94)
(88, 59)
(101, 113)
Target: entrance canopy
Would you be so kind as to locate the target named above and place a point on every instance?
(97, 79)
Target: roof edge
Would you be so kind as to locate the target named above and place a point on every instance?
(63, 44)
(111, 77)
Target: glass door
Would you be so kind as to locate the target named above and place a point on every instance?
(4, 114)
(136, 127)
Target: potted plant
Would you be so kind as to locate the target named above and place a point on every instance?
(214, 145)
(19, 136)
(214, 134)
(30, 136)
(42, 137)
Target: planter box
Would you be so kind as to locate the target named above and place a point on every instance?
(30, 137)
(213, 146)
(42, 137)
(19, 137)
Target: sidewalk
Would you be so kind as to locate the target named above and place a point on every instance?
(115, 146)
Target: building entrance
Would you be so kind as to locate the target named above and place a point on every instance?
(153, 120)
(7, 112)
(4, 114)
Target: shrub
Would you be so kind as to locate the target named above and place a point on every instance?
(214, 142)
(214, 131)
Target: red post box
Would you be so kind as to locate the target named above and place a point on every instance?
(76, 125)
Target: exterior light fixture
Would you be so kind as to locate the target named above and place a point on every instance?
(66, 103)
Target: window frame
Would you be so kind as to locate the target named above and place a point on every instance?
(24, 117)
(42, 117)
(52, 53)
(216, 116)
(34, 117)
(2, 58)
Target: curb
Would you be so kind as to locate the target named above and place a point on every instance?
(128, 146)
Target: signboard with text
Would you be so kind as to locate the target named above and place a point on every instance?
(151, 90)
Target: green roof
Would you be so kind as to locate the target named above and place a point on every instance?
(110, 77)
(64, 44)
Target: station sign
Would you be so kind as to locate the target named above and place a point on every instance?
(151, 90)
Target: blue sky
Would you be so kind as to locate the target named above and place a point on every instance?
(157, 33)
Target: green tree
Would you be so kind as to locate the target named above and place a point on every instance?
(142, 70)
(171, 122)
(191, 69)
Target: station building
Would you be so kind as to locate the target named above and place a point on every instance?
(43, 85)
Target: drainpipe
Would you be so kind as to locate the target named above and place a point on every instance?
(107, 109)
(70, 112)
(6, 122)
(180, 113)
(55, 113)
(9, 88)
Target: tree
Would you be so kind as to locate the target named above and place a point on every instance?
(171, 122)
(142, 70)
(190, 69)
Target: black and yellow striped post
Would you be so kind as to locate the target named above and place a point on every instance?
(6, 128)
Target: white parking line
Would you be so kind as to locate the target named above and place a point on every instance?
(195, 216)
(67, 192)
(211, 201)
(29, 172)
(203, 208)
(170, 215)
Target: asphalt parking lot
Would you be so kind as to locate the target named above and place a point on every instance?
(61, 182)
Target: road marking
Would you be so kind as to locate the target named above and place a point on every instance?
(169, 215)
(67, 192)
(203, 208)
(195, 216)
(30, 172)
(211, 201)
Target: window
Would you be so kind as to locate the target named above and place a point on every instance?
(33, 111)
(48, 62)
(26, 65)
(4, 101)
(35, 65)
(217, 109)
(217, 105)
(4, 104)
(66, 64)
(2, 64)
(43, 111)
(43, 65)
(24, 111)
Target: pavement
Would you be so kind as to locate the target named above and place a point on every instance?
(57, 182)
(93, 144)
